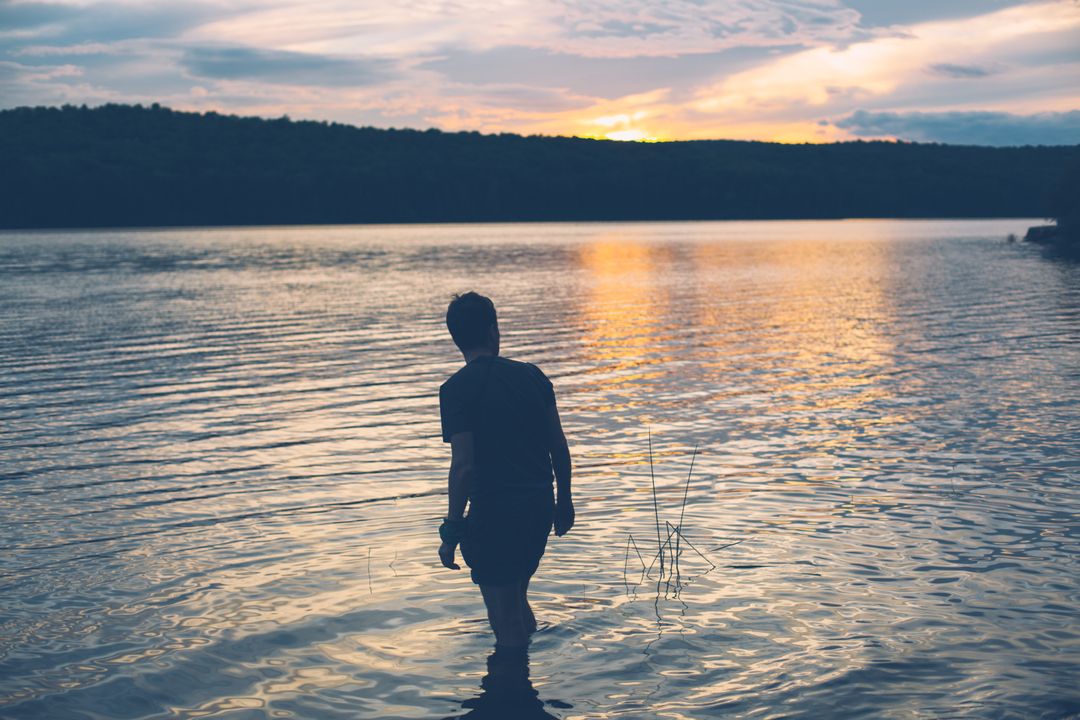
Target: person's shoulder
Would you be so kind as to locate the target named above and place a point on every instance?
(532, 371)
(455, 380)
(521, 366)
(535, 369)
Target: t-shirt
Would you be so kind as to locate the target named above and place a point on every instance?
(506, 404)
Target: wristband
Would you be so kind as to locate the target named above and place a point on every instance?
(452, 532)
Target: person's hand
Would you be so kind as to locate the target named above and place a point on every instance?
(446, 554)
(564, 517)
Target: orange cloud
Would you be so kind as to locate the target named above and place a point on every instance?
(824, 77)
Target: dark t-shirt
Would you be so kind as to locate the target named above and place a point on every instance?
(505, 404)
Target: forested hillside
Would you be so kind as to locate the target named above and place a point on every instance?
(140, 166)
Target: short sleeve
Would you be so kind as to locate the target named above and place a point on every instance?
(547, 390)
(453, 412)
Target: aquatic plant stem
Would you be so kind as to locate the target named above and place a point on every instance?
(656, 507)
(692, 547)
(686, 493)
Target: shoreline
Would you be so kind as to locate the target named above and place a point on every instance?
(512, 223)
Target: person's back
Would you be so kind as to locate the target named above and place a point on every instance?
(506, 404)
(506, 439)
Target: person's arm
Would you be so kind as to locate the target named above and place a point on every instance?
(461, 474)
(461, 477)
(561, 464)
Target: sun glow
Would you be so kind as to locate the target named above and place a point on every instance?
(630, 136)
(620, 126)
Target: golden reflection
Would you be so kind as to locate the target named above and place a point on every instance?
(805, 320)
(621, 311)
(779, 343)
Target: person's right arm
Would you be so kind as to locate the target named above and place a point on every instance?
(461, 479)
(560, 463)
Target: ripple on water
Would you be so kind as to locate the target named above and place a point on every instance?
(222, 471)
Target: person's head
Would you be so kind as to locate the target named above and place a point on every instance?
(472, 323)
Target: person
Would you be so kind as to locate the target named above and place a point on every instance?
(506, 440)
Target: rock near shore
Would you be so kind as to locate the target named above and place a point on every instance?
(1054, 236)
(1043, 234)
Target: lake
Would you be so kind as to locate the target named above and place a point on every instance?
(222, 474)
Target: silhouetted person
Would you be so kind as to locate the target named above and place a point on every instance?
(507, 693)
(501, 421)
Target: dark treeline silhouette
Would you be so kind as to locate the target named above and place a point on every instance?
(1064, 234)
(120, 165)
(1065, 206)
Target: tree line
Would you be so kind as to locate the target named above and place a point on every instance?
(129, 165)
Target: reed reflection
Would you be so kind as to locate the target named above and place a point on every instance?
(506, 690)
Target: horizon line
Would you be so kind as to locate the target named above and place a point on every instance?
(890, 140)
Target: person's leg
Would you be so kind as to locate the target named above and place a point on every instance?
(503, 604)
(526, 610)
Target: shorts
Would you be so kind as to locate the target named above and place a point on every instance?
(506, 536)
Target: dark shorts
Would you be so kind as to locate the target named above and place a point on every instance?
(506, 536)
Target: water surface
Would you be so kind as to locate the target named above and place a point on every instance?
(221, 470)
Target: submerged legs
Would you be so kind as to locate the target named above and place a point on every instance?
(526, 610)
(509, 613)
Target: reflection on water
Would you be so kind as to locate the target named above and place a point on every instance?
(507, 691)
(221, 471)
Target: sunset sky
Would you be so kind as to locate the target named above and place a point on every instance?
(992, 72)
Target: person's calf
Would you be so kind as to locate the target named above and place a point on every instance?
(511, 632)
(505, 615)
(527, 617)
(526, 610)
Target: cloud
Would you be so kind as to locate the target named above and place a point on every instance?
(882, 13)
(20, 17)
(519, 97)
(282, 67)
(954, 70)
(593, 28)
(95, 48)
(968, 128)
(10, 71)
(49, 85)
(751, 69)
(68, 23)
(839, 80)
(598, 77)
(645, 27)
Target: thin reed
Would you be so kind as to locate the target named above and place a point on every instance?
(669, 543)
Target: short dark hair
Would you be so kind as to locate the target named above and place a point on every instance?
(469, 318)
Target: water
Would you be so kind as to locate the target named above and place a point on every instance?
(221, 470)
